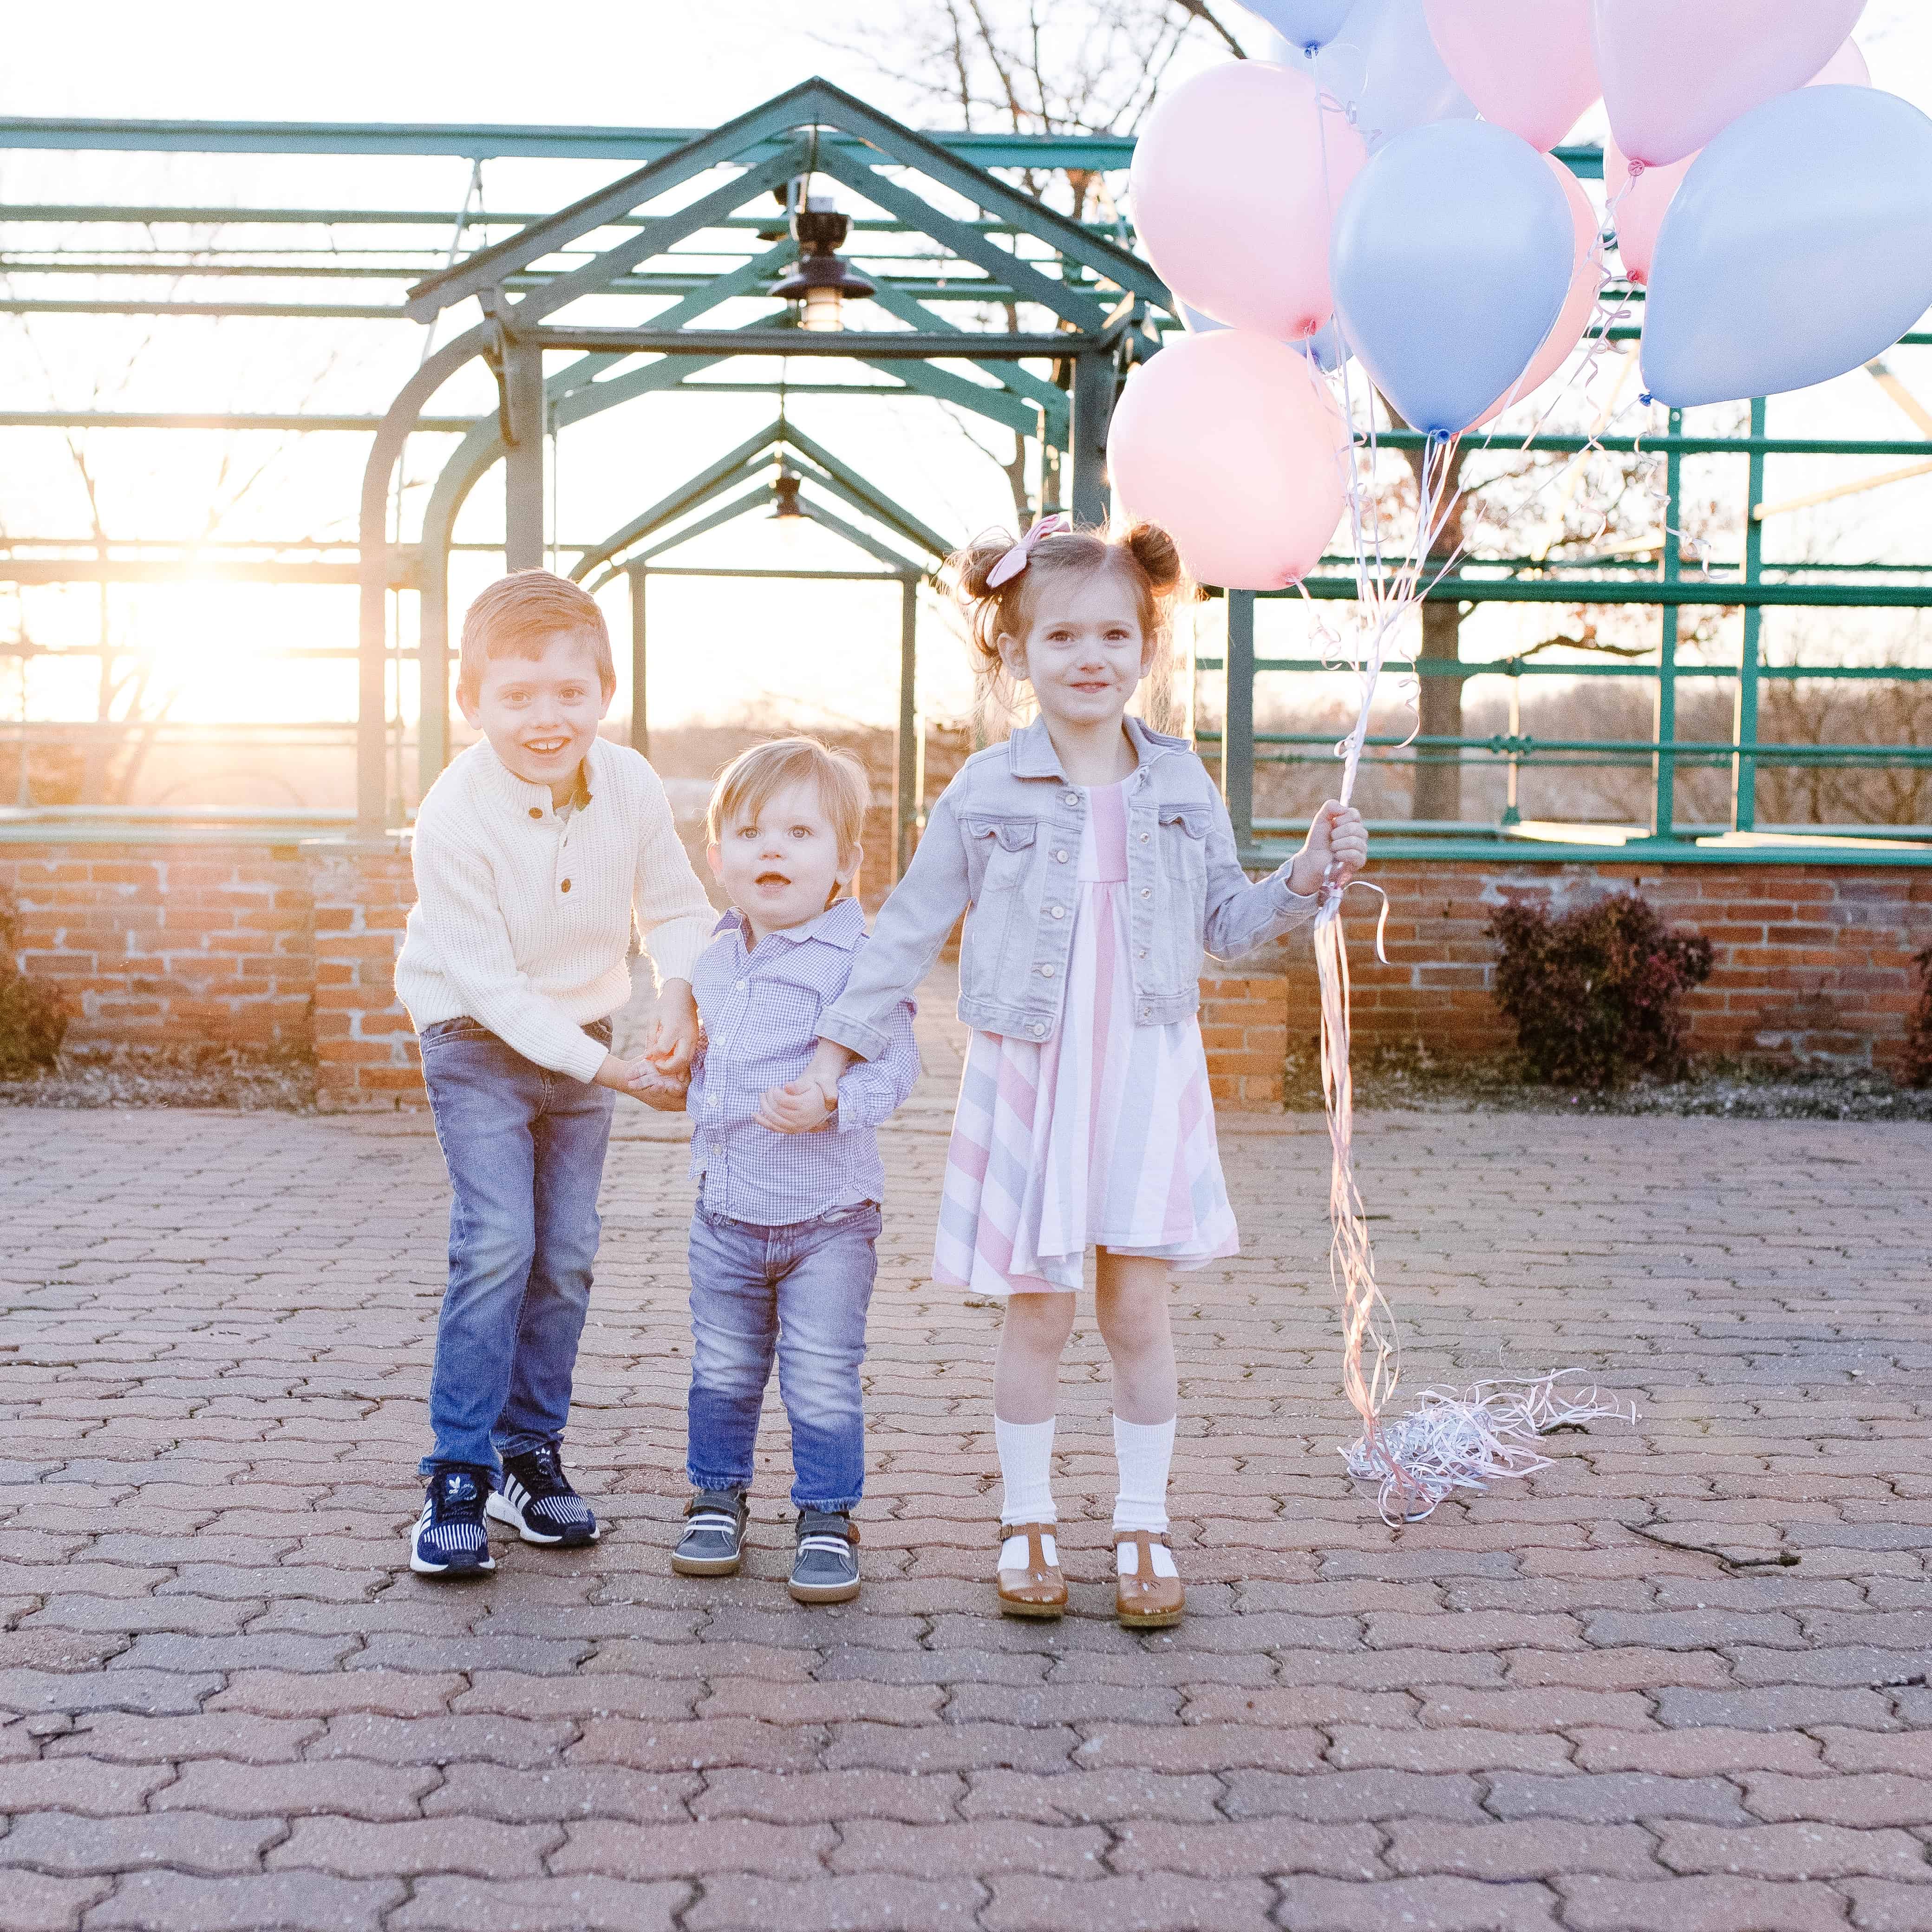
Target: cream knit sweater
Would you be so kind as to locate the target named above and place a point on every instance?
(523, 919)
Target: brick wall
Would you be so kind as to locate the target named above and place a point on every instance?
(253, 943)
(157, 942)
(1814, 963)
(365, 1049)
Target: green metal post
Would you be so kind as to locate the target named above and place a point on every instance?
(523, 460)
(910, 792)
(1237, 741)
(1092, 412)
(1743, 770)
(640, 716)
(1665, 811)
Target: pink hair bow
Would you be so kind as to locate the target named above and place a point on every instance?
(1017, 559)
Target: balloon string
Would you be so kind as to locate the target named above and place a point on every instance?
(1452, 1440)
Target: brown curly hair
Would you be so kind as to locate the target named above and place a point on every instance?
(1142, 555)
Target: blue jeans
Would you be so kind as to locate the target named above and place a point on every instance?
(525, 1149)
(800, 1292)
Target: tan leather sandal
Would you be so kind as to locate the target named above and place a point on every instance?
(1038, 1590)
(1143, 1601)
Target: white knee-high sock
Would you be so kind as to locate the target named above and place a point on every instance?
(1026, 1467)
(1143, 1451)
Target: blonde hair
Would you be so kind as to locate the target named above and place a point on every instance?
(1143, 556)
(754, 778)
(519, 614)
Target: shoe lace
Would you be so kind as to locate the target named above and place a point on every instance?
(545, 1471)
(456, 1496)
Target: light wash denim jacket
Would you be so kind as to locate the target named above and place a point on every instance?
(1002, 845)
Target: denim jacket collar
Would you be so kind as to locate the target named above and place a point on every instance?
(1031, 754)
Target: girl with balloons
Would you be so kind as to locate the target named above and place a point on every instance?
(1385, 194)
(1093, 861)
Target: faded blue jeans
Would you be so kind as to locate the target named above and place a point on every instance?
(525, 1150)
(799, 1292)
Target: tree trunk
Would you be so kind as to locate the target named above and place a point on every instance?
(1439, 774)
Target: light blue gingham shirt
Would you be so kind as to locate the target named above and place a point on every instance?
(760, 1007)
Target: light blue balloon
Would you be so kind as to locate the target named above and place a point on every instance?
(1325, 348)
(1384, 68)
(1799, 247)
(1302, 23)
(1451, 256)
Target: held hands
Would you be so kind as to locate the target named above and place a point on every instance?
(1336, 849)
(802, 1107)
(672, 1037)
(641, 1080)
(810, 1101)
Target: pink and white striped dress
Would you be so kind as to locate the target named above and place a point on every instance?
(1103, 1136)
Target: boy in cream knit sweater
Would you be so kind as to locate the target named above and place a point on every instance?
(534, 852)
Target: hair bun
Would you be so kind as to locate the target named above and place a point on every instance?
(1157, 554)
(969, 566)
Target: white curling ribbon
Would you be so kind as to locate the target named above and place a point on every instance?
(1454, 1440)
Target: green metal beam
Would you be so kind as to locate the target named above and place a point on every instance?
(217, 311)
(1722, 595)
(994, 401)
(157, 419)
(490, 141)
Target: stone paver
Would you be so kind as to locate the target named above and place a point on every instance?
(224, 1701)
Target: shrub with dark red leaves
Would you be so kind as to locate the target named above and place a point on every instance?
(1596, 994)
(1917, 1071)
(33, 1018)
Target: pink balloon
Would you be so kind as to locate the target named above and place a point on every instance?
(1675, 72)
(1527, 65)
(1566, 331)
(1235, 445)
(1846, 68)
(1637, 209)
(1228, 188)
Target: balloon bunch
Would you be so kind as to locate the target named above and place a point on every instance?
(1385, 196)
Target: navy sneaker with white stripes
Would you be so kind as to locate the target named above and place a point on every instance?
(825, 1566)
(536, 1497)
(450, 1539)
(713, 1542)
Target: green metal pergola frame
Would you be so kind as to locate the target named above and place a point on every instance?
(1095, 295)
(636, 551)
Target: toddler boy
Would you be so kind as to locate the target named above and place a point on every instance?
(533, 853)
(790, 1182)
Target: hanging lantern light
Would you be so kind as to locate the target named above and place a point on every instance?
(790, 519)
(822, 279)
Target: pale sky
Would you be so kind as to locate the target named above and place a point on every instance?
(656, 64)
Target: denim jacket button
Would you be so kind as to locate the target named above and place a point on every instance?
(1147, 892)
(1143, 953)
(1039, 1027)
(1073, 798)
(1046, 972)
(1058, 912)
(1060, 858)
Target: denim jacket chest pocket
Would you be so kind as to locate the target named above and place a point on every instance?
(1179, 837)
(1003, 857)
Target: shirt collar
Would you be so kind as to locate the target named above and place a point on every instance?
(842, 924)
(521, 793)
(1031, 754)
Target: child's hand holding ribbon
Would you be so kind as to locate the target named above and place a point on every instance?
(1336, 849)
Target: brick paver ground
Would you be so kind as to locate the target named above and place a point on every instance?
(235, 1707)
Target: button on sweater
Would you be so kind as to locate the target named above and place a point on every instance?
(524, 914)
